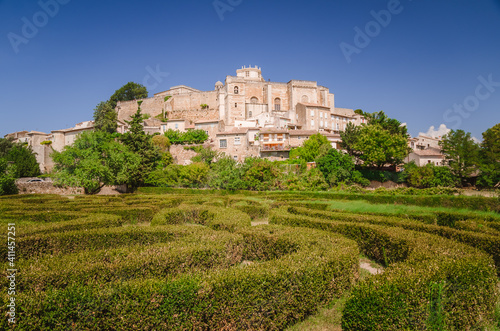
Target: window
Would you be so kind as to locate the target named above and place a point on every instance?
(250, 113)
(277, 104)
(254, 100)
(236, 90)
(235, 105)
(237, 140)
(223, 143)
(235, 157)
(321, 123)
(312, 122)
(312, 112)
(206, 132)
(321, 114)
(176, 126)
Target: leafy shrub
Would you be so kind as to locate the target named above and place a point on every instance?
(189, 137)
(194, 175)
(392, 300)
(429, 176)
(7, 178)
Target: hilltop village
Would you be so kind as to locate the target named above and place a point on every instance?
(244, 116)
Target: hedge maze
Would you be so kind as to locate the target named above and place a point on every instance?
(245, 261)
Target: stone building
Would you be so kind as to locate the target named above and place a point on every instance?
(243, 116)
(425, 150)
(247, 103)
(248, 100)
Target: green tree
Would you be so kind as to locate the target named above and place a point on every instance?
(429, 176)
(95, 159)
(225, 174)
(382, 141)
(21, 156)
(490, 157)
(316, 145)
(378, 146)
(260, 174)
(194, 174)
(206, 155)
(105, 117)
(129, 91)
(390, 124)
(336, 167)
(7, 178)
(461, 152)
(5, 146)
(142, 144)
(25, 161)
(349, 138)
(170, 176)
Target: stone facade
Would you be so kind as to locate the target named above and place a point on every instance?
(237, 115)
(238, 143)
(426, 150)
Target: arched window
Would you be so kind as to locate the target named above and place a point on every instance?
(305, 99)
(254, 100)
(236, 90)
(277, 104)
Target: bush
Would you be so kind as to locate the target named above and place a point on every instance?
(261, 174)
(382, 176)
(429, 176)
(188, 137)
(194, 175)
(393, 300)
(7, 178)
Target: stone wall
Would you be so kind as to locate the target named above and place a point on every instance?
(194, 115)
(181, 155)
(152, 106)
(45, 187)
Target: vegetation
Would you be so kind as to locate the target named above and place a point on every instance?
(128, 92)
(382, 141)
(95, 159)
(7, 178)
(461, 152)
(190, 259)
(489, 161)
(16, 160)
(315, 146)
(142, 145)
(429, 176)
(105, 117)
(189, 137)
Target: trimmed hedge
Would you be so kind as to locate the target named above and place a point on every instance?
(399, 298)
(283, 275)
(217, 218)
(488, 242)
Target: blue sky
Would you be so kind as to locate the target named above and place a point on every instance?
(423, 62)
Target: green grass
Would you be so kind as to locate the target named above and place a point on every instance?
(364, 207)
